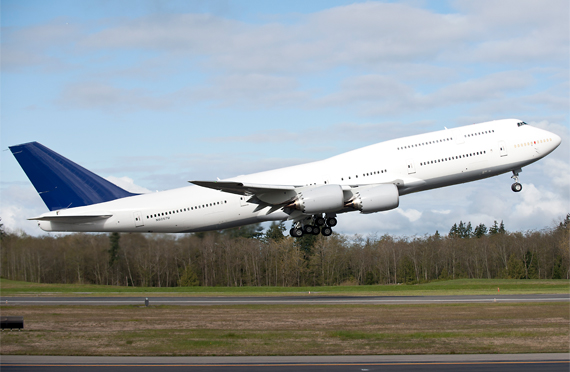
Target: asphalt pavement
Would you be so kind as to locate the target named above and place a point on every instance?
(476, 362)
(280, 300)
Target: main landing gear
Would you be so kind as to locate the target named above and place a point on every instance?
(516, 187)
(317, 225)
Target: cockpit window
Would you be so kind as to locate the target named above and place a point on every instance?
(521, 123)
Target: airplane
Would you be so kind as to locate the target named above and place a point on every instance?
(366, 180)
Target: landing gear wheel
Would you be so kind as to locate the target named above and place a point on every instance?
(516, 187)
(319, 221)
(316, 230)
(296, 233)
(331, 221)
(326, 231)
(308, 229)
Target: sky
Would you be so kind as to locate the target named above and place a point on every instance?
(152, 94)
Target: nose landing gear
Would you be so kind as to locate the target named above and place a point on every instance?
(516, 187)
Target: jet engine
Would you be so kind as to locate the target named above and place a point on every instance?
(375, 198)
(319, 199)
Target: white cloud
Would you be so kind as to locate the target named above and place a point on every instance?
(443, 211)
(518, 31)
(36, 46)
(253, 90)
(127, 184)
(540, 205)
(95, 95)
(362, 34)
(376, 94)
(18, 204)
(411, 214)
(386, 49)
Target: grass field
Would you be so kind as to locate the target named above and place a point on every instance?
(289, 329)
(447, 287)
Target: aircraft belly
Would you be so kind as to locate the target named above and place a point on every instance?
(473, 172)
(98, 226)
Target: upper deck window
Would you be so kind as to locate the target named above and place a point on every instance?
(521, 123)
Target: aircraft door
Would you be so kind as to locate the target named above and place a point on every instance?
(138, 219)
(411, 169)
(502, 148)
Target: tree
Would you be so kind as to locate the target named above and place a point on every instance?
(369, 278)
(462, 230)
(248, 231)
(497, 229)
(306, 244)
(480, 231)
(502, 228)
(564, 224)
(407, 270)
(454, 232)
(516, 268)
(558, 270)
(189, 278)
(114, 247)
(275, 232)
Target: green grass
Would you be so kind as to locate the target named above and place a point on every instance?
(447, 287)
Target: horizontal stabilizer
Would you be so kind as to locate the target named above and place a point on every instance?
(62, 183)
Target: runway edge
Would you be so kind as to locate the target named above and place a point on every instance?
(448, 358)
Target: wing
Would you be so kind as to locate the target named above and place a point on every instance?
(264, 195)
(300, 201)
(241, 188)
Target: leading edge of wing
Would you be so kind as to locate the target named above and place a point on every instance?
(241, 188)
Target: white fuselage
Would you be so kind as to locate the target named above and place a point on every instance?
(415, 163)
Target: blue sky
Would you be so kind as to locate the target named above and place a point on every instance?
(151, 94)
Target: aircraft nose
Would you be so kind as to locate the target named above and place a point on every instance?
(556, 140)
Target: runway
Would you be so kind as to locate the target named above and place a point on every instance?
(284, 300)
(474, 362)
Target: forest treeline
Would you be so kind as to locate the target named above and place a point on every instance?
(251, 257)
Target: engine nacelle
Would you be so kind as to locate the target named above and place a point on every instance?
(319, 199)
(375, 198)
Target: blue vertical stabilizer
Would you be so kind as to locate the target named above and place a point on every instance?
(60, 182)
